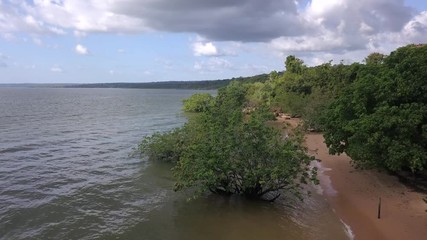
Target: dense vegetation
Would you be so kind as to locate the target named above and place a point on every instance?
(376, 112)
(198, 102)
(380, 120)
(224, 151)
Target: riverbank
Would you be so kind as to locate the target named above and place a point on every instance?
(354, 196)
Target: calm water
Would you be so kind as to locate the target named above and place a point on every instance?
(66, 172)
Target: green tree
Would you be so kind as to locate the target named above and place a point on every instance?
(224, 152)
(258, 94)
(294, 65)
(198, 102)
(166, 147)
(375, 58)
(380, 120)
(245, 158)
(273, 75)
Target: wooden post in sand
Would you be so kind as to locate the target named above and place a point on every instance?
(379, 208)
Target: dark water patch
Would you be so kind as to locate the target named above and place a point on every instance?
(24, 148)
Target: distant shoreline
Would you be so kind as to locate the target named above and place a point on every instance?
(149, 85)
(193, 85)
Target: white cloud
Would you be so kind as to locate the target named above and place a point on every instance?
(416, 29)
(349, 30)
(214, 64)
(215, 20)
(365, 29)
(204, 49)
(231, 49)
(334, 28)
(15, 16)
(56, 69)
(37, 41)
(323, 42)
(241, 21)
(8, 36)
(32, 22)
(379, 15)
(82, 50)
(79, 34)
(255, 69)
(84, 15)
(57, 31)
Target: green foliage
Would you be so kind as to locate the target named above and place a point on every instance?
(245, 158)
(258, 94)
(231, 97)
(313, 108)
(290, 102)
(375, 112)
(165, 147)
(307, 91)
(234, 156)
(381, 119)
(273, 75)
(198, 102)
(375, 58)
(264, 112)
(294, 65)
(223, 151)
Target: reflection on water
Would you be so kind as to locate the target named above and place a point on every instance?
(66, 173)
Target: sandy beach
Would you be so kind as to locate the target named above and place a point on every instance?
(357, 193)
(354, 196)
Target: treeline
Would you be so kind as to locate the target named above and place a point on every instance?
(199, 85)
(375, 111)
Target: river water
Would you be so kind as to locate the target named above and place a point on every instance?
(67, 172)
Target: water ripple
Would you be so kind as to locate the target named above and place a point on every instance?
(65, 170)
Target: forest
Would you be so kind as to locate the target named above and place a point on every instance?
(374, 111)
(199, 85)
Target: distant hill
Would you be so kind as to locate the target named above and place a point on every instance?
(205, 85)
(202, 85)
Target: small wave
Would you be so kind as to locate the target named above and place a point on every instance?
(16, 149)
(325, 186)
(348, 230)
(67, 131)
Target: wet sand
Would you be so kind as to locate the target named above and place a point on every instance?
(354, 196)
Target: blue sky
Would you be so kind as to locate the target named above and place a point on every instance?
(86, 41)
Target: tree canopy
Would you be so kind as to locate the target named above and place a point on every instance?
(380, 120)
(229, 153)
(198, 102)
(375, 112)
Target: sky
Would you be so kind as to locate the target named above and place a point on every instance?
(90, 41)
